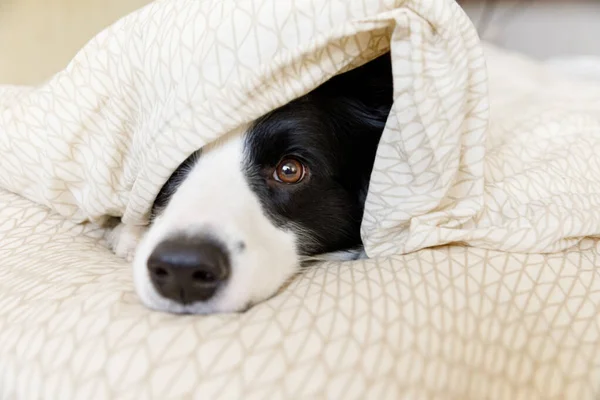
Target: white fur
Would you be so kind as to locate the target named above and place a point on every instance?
(124, 240)
(215, 199)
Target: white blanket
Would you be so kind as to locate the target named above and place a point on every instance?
(102, 136)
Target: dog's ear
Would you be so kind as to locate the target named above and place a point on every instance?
(372, 83)
(357, 104)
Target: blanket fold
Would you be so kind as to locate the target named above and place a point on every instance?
(101, 137)
(496, 152)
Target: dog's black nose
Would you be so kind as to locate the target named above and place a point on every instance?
(188, 270)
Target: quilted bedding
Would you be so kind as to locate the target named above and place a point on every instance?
(496, 167)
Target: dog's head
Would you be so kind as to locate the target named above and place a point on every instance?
(235, 220)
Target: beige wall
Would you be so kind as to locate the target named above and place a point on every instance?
(39, 37)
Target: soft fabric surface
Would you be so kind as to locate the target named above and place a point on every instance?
(581, 67)
(101, 137)
(447, 323)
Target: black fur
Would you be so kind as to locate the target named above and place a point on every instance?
(334, 130)
(173, 183)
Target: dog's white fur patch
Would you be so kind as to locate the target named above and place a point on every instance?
(124, 240)
(216, 200)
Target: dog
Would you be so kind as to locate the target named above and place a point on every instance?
(239, 218)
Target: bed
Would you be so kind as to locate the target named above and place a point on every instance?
(482, 278)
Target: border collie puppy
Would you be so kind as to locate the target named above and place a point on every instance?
(236, 219)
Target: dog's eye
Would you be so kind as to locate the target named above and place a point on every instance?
(289, 171)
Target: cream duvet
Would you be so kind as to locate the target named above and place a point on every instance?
(479, 223)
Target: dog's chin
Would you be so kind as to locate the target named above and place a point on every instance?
(229, 299)
(154, 301)
(256, 275)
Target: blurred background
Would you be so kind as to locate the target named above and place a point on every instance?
(39, 37)
(540, 28)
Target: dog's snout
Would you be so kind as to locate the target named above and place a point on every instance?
(188, 270)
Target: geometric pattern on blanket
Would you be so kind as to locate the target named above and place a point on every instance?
(452, 322)
(449, 322)
(102, 136)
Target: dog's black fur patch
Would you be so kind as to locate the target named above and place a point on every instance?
(172, 184)
(335, 131)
